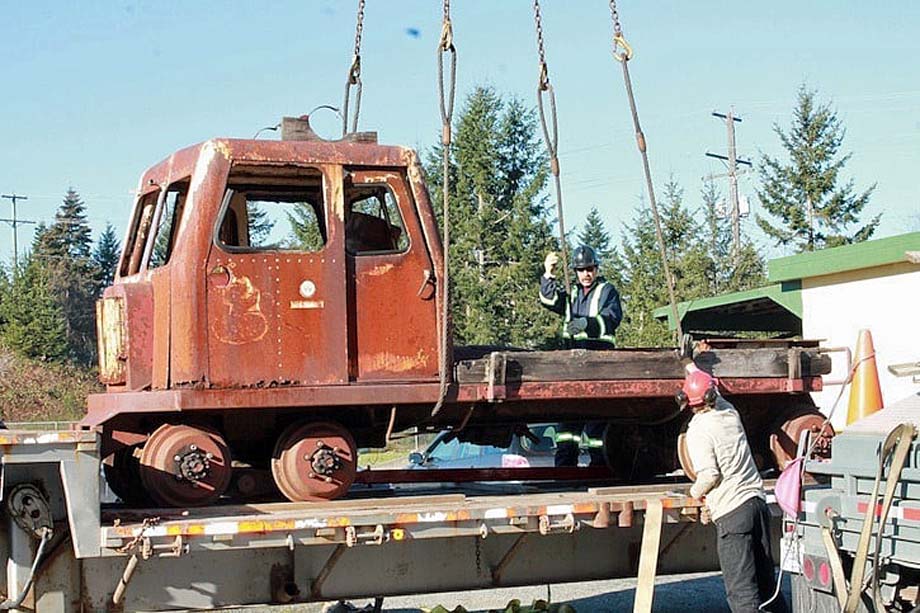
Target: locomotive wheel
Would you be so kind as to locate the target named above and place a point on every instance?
(784, 440)
(185, 466)
(123, 476)
(314, 461)
(683, 456)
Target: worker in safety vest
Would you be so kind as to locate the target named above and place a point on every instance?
(592, 313)
(728, 482)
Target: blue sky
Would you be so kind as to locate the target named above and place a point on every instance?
(93, 93)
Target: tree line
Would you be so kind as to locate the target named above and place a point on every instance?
(502, 225)
(47, 301)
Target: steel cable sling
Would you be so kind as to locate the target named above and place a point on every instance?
(446, 103)
(354, 76)
(551, 136)
(622, 52)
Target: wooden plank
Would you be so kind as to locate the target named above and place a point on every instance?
(581, 365)
(648, 557)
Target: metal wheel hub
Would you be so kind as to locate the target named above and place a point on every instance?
(325, 461)
(193, 465)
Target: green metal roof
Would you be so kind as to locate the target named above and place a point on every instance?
(773, 308)
(867, 254)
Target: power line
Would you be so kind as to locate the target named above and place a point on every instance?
(15, 223)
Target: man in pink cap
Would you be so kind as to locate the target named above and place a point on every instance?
(728, 482)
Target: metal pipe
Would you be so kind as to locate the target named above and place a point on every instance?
(8, 604)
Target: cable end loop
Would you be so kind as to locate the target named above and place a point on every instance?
(354, 72)
(544, 77)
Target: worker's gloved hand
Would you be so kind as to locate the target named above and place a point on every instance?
(705, 515)
(579, 324)
(550, 262)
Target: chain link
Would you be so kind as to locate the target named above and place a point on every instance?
(354, 76)
(615, 15)
(541, 52)
(478, 557)
(359, 28)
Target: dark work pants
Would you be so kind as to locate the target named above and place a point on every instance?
(746, 559)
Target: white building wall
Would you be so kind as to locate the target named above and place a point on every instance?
(884, 300)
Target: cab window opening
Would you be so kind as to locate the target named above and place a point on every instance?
(168, 223)
(273, 209)
(373, 224)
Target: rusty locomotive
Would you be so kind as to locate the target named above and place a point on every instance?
(276, 306)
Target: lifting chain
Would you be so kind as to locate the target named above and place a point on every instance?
(622, 52)
(551, 136)
(354, 76)
(446, 102)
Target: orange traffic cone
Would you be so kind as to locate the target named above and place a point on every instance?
(865, 391)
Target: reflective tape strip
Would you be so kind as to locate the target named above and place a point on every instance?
(594, 308)
(592, 443)
(547, 301)
(562, 437)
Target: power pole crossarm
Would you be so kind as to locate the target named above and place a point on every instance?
(15, 223)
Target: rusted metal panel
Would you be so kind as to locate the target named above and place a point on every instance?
(259, 305)
(161, 288)
(110, 335)
(137, 302)
(391, 301)
(207, 166)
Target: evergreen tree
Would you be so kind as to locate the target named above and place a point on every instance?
(305, 231)
(500, 223)
(105, 257)
(813, 209)
(70, 233)
(260, 225)
(725, 274)
(33, 321)
(594, 234)
(63, 252)
(644, 287)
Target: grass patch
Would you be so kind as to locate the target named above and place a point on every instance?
(33, 390)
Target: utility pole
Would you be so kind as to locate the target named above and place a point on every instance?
(15, 223)
(733, 173)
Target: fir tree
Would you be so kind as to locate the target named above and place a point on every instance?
(260, 225)
(63, 252)
(644, 287)
(70, 233)
(813, 208)
(33, 321)
(500, 223)
(105, 257)
(725, 274)
(594, 234)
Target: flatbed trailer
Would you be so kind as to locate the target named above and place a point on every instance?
(67, 552)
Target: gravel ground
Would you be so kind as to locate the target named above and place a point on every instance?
(690, 593)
